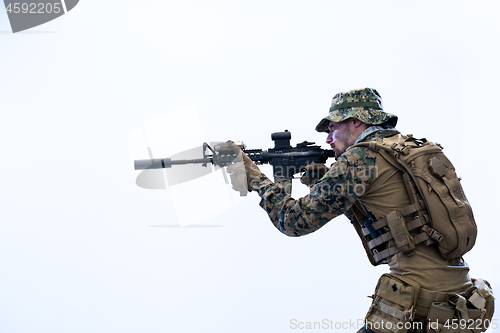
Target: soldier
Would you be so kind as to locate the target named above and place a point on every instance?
(367, 187)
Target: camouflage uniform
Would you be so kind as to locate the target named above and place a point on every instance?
(360, 175)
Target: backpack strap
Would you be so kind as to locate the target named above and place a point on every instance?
(395, 220)
(379, 256)
(405, 243)
(359, 217)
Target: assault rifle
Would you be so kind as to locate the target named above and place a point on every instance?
(285, 159)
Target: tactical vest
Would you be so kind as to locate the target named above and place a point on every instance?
(439, 211)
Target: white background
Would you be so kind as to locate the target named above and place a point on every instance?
(78, 248)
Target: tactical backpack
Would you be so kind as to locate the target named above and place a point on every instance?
(439, 211)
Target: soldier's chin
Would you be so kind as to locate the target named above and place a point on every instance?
(338, 153)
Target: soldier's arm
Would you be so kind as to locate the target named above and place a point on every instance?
(346, 180)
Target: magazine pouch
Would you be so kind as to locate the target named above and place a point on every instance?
(393, 306)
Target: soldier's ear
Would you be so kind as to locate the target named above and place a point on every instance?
(356, 122)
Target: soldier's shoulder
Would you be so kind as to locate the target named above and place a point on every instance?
(356, 155)
(359, 156)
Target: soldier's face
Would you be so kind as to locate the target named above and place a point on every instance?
(340, 136)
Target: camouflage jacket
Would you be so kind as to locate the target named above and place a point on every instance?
(346, 181)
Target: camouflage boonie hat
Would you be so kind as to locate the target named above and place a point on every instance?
(363, 104)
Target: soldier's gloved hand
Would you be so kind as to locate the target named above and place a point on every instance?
(238, 176)
(313, 173)
(241, 172)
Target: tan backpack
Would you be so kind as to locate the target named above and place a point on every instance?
(439, 211)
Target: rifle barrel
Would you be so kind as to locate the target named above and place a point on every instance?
(257, 155)
(159, 163)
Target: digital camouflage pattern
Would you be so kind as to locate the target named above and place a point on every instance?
(364, 104)
(333, 195)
